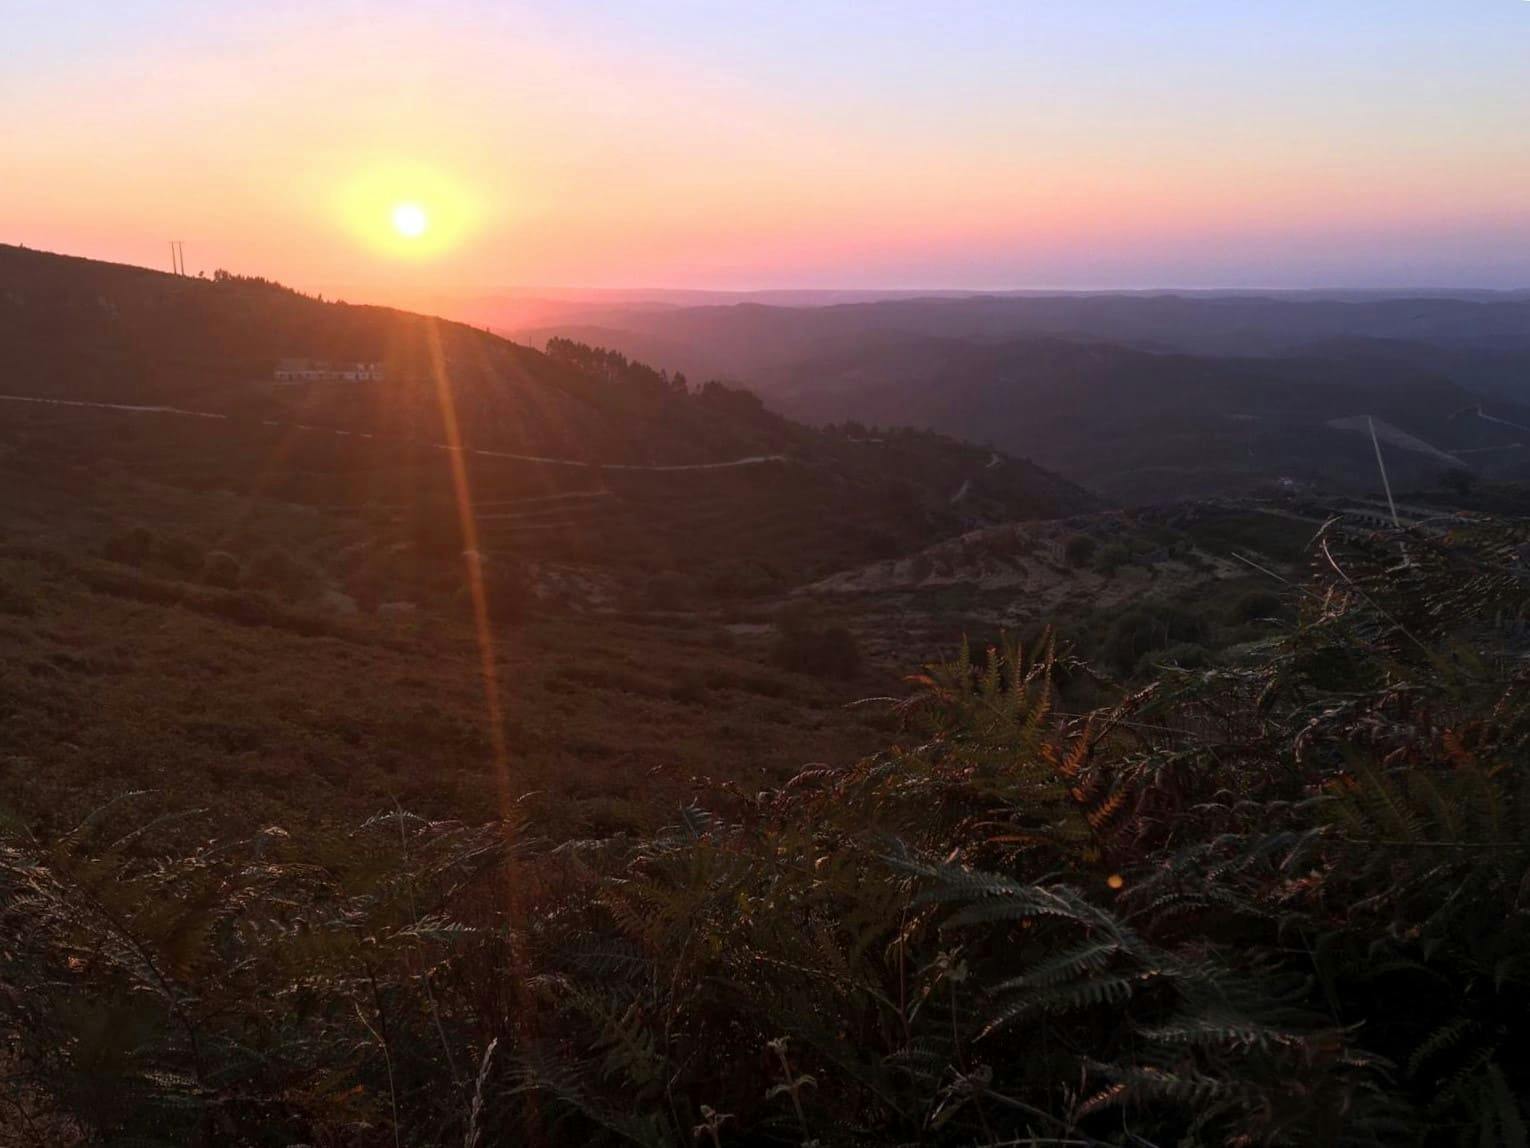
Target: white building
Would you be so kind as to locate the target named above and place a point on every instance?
(326, 370)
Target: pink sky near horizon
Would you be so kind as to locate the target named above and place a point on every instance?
(575, 152)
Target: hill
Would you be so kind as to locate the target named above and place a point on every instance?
(530, 426)
(216, 583)
(739, 340)
(379, 776)
(1140, 397)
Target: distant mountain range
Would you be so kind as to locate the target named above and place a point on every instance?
(1142, 396)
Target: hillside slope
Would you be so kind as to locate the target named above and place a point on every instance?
(281, 599)
(800, 503)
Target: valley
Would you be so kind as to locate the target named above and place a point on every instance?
(174, 567)
(545, 697)
(1143, 398)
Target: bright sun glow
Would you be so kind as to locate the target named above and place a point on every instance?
(410, 220)
(405, 211)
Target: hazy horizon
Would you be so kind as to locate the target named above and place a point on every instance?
(980, 147)
(427, 297)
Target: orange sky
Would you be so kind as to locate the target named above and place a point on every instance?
(780, 145)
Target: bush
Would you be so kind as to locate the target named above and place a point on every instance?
(828, 653)
(365, 585)
(248, 608)
(742, 579)
(670, 590)
(690, 690)
(131, 547)
(1111, 558)
(280, 573)
(507, 591)
(222, 569)
(1078, 550)
(1185, 655)
(436, 536)
(1255, 606)
(1143, 630)
(180, 555)
(808, 645)
(17, 601)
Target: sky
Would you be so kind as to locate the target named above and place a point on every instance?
(982, 144)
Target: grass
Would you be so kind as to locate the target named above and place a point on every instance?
(104, 692)
(279, 708)
(269, 702)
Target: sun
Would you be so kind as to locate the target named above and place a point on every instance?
(404, 211)
(410, 220)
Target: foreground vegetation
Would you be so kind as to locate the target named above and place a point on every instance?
(1277, 901)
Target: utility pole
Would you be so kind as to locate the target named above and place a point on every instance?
(177, 257)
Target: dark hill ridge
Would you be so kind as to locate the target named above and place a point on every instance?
(739, 340)
(81, 330)
(84, 329)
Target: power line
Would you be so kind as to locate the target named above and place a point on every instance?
(1385, 482)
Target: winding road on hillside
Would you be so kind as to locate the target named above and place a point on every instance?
(750, 460)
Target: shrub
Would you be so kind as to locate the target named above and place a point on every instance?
(248, 608)
(1140, 631)
(365, 585)
(808, 645)
(1184, 655)
(132, 547)
(435, 535)
(507, 590)
(1112, 557)
(180, 555)
(670, 590)
(280, 573)
(1255, 606)
(222, 569)
(16, 600)
(690, 690)
(742, 579)
(1459, 481)
(879, 544)
(1078, 550)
